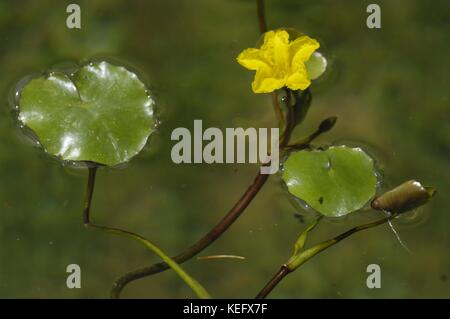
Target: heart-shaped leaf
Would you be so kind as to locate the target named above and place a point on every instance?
(102, 113)
(334, 182)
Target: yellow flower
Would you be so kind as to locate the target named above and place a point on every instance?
(279, 62)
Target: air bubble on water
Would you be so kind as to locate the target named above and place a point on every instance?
(304, 212)
(328, 164)
(413, 218)
(156, 124)
(344, 219)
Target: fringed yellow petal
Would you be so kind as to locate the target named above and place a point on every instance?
(252, 59)
(298, 80)
(276, 48)
(301, 49)
(264, 83)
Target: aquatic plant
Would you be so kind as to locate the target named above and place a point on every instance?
(100, 115)
(103, 114)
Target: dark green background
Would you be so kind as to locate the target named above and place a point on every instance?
(389, 88)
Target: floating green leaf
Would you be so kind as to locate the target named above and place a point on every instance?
(335, 181)
(102, 113)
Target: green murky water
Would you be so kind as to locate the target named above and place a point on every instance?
(388, 87)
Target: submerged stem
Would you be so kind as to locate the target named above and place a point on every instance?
(210, 237)
(191, 282)
(201, 244)
(278, 111)
(279, 275)
(323, 127)
(298, 260)
(261, 16)
(232, 215)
